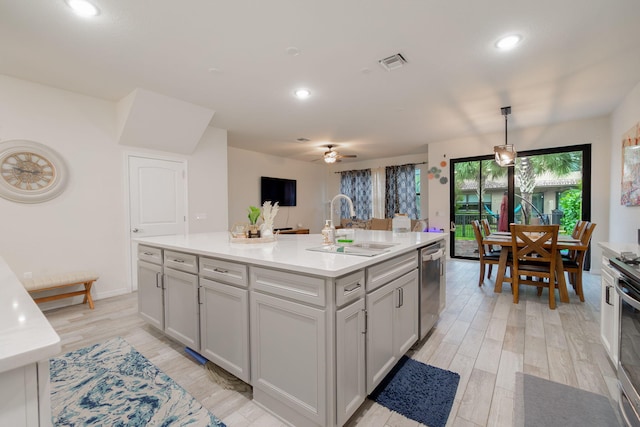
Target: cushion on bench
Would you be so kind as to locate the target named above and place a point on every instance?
(57, 280)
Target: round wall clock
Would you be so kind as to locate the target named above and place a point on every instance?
(30, 172)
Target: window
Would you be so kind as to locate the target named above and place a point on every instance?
(550, 186)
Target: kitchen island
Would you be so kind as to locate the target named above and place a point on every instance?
(313, 332)
(27, 341)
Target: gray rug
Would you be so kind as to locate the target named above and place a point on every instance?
(544, 403)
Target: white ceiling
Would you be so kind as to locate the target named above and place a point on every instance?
(577, 60)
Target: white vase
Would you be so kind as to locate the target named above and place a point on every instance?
(266, 231)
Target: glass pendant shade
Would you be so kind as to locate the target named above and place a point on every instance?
(505, 155)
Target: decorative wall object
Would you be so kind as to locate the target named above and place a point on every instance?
(434, 173)
(30, 172)
(630, 194)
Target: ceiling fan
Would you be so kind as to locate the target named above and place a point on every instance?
(332, 156)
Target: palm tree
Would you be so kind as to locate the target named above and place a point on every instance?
(528, 168)
(478, 171)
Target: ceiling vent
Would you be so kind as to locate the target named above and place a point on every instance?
(392, 62)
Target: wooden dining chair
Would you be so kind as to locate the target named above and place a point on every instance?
(486, 230)
(573, 264)
(535, 249)
(578, 229)
(486, 257)
(576, 233)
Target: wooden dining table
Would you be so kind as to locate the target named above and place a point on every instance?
(503, 239)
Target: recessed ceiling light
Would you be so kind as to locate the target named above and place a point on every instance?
(83, 7)
(302, 93)
(508, 42)
(293, 51)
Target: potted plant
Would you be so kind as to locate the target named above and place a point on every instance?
(254, 214)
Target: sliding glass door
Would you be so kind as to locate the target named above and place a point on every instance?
(549, 186)
(477, 190)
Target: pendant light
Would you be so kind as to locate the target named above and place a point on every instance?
(505, 154)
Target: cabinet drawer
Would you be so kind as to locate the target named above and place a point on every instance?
(150, 254)
(386, 271)
(349, 288)
(181, 261)
(297, 287)
(228, 272)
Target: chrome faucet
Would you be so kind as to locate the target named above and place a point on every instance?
(352, 211)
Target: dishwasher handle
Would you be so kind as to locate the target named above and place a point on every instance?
(432, 256)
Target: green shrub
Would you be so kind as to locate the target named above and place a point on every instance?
(571, 205)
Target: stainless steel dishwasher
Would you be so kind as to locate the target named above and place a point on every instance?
(432, 276)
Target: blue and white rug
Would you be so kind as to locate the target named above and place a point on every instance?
(111, 384)
(421, 392)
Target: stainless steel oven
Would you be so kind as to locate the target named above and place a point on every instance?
(628, 287)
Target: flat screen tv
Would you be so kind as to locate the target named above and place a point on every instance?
(278, 190)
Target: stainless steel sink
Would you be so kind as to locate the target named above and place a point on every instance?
(373, 245)
(356, 249)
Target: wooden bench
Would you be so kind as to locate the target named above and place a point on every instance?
(58, 281)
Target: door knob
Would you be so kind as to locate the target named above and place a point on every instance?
(135, 230)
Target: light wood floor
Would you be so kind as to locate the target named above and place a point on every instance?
(481, 335)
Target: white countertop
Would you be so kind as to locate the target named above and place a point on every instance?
(289, 252)
(617, 248)
(26, 336)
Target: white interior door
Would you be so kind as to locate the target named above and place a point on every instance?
(157, 201)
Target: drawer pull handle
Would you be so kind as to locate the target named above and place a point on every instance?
(400, 297)
(608, 295)
(148, 253)
(177, 260)
(352, 288)
(220, 270)
(365, 317)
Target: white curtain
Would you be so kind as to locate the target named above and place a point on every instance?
(378, 186)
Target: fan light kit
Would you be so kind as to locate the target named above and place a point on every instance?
(332, 156)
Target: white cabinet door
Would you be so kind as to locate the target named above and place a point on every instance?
(381, 354)
(19, 397)
(406, 319)
(224, 327)
(609, 315)
(288, 353)
(181, 312)
(150, 300)
(392, 325)
(350, 360)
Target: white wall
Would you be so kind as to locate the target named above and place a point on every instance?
(624, 221)
(593, 131)
(86, 226)
(333, 181)
(245, 170)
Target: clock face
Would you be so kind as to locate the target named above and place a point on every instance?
(30, 172)
(27, 171)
